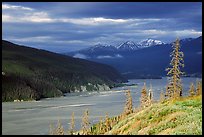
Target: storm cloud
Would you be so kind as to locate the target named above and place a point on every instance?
(69, 26)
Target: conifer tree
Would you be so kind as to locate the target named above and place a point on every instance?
(107, 123)
(144, 97)
(72, 124)
(198, 88)
(85, 123)
(59, 130)
(175, 86)
(191, 90)
(128, 106)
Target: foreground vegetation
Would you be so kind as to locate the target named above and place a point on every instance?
(31, 74)
(183, 116)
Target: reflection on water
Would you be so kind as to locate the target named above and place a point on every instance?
(34, 117)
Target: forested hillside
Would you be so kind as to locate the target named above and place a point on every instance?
(31, 74)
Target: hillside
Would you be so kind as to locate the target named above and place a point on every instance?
(183, 117)
(29, 73)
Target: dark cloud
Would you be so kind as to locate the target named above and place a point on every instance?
(66, 26)
(119, 9)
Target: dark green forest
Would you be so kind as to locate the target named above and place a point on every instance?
(32, 74)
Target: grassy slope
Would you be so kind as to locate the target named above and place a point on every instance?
(183, 116)
(32, 74)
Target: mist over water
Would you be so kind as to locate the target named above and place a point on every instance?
(35, 117)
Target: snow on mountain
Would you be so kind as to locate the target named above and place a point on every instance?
(100, 47)
(128, 45)
(149, 42)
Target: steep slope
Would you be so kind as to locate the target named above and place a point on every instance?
(127, 46)
(182, 117)
(177, 117)
(29, 73)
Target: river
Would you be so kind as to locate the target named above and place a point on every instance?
(34, 118)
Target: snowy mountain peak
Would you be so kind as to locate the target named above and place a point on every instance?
(149, 42)
(128, 45)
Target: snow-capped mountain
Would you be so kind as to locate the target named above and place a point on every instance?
(128, 45)
(99, 47)
(149, 42)
(108, 50)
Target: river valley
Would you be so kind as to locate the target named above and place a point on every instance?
(34, 117)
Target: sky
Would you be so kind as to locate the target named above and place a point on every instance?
(69, 26)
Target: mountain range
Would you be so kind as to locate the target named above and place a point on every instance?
(32, 74)
(109, 50)
(145, 59)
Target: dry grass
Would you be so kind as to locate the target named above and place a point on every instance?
(170, 117)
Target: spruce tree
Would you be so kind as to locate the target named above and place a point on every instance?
(175, 86)
(72, 124)
(107, 123)
(59, 130)
(128, 106)
(85, 123)
(198, 88)
(191, 90)
(144, 97)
